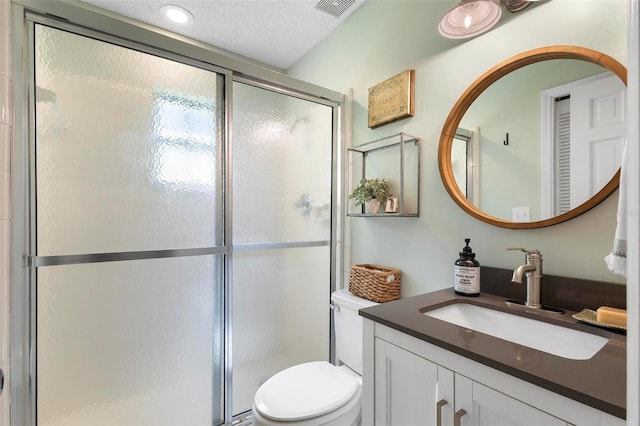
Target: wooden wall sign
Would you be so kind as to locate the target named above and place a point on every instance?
(392, 99)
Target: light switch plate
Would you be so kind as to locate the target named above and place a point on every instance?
(522, 214)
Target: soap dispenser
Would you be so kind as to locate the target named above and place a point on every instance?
(467, 272)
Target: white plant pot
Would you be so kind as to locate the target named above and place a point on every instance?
(373, 206)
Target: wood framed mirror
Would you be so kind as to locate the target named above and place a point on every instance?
(484, 85)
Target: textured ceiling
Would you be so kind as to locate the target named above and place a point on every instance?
(274, 32)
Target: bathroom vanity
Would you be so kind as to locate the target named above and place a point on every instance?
(423, 370)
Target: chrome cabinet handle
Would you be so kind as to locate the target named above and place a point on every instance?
(439, 406)
(457, 416)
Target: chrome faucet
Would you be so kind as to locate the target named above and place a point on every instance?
(533, 269)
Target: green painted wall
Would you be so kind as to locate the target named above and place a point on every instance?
(385, 37)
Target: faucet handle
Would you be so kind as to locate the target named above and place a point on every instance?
(528, 252)
(518, 248)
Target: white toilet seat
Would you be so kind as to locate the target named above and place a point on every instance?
(310, 394)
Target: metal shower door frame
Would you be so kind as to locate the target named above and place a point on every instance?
(146, 39)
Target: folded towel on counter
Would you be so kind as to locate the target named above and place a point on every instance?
(617, 260)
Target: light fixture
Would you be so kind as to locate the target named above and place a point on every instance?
(470, 18)
(473, 17)
(176, 15)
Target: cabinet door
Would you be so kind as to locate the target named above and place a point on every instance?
(410, 390)
(487, 407)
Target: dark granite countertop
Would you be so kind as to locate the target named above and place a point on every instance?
(599, 382)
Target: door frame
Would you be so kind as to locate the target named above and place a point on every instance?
(548, 157)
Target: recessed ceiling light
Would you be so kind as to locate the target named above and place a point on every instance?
(176, 15)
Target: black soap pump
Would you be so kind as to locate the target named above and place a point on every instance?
(467, 272)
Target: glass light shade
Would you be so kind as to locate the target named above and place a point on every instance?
(470, 18)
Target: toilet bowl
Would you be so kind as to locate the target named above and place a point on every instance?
(320, 393)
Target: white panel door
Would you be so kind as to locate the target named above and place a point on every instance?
(597, 135)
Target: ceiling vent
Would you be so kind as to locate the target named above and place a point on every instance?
(334, 7)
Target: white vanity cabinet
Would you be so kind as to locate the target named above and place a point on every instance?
(409, 382)
(411, 390)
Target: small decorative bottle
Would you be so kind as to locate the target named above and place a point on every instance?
(467, 272)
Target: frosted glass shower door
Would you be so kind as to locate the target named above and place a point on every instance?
(282, 187)
(126, 236)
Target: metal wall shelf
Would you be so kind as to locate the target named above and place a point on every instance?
(396, 158)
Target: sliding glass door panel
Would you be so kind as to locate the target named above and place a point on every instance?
(282, 186)
(128, 149)
(128, 157)
(130, 343)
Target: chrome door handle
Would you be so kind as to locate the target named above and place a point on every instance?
(457, 416)
(439, 406)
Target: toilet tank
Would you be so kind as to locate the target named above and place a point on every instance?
(348, 328)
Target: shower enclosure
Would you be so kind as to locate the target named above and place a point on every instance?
(179, 232)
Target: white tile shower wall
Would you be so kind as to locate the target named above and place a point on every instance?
(6, 114)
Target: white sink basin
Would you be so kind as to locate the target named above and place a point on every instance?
(550, 338)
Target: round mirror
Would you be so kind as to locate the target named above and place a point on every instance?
(537, 139)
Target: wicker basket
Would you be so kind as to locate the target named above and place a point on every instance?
(375, 282)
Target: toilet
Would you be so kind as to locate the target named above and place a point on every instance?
(320, 393)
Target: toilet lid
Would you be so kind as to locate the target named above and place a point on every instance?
(304, 391)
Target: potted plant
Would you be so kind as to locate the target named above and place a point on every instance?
(371, 192)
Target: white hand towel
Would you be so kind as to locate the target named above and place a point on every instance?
(617, 260)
